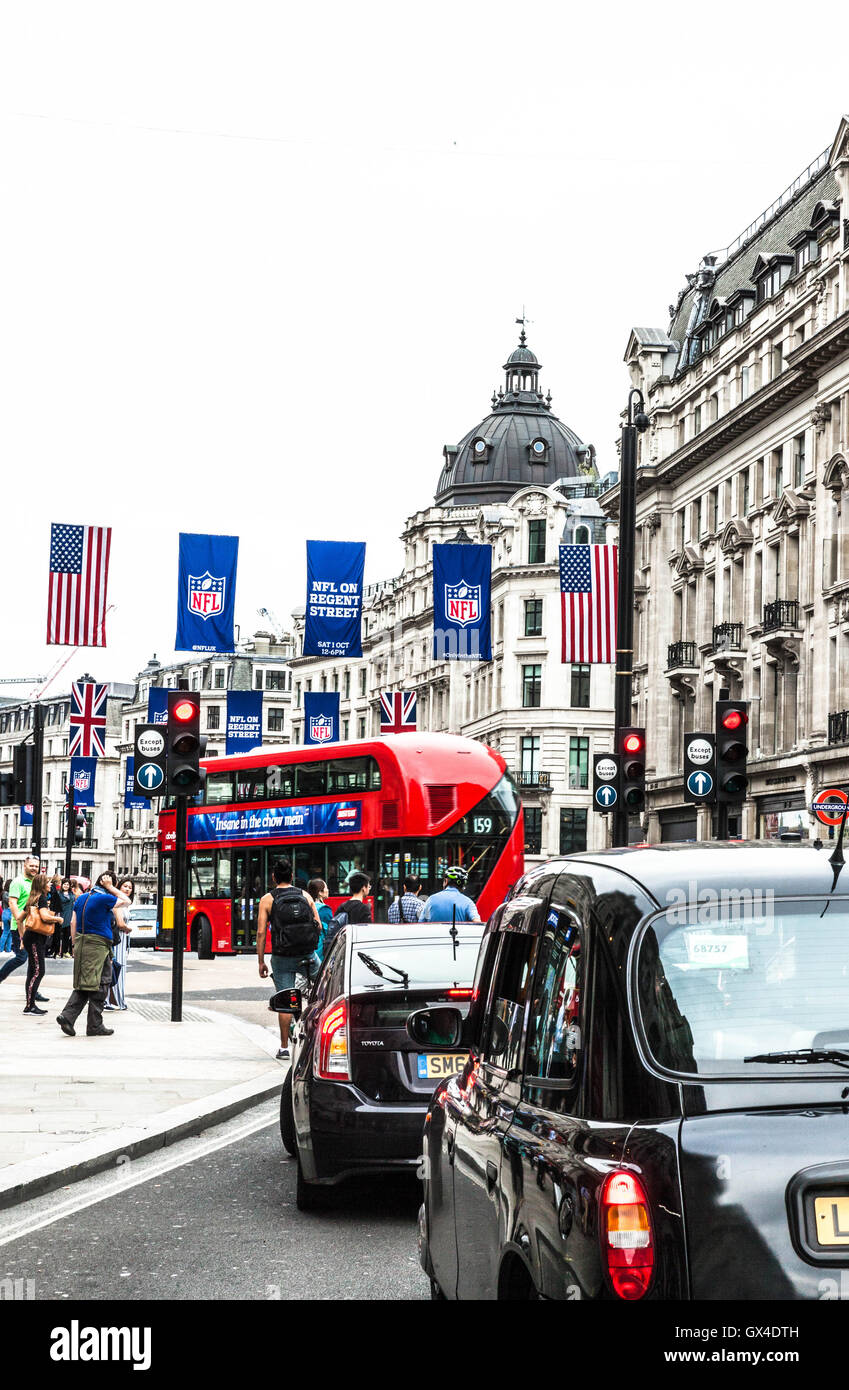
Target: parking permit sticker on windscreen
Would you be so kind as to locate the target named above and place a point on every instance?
(708, 950)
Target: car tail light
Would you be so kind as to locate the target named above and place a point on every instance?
(458, 994)
(331, 1055)
(626, 1235)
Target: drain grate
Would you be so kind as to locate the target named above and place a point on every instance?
(161, 1013)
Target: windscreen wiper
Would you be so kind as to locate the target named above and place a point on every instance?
(804, 1055)
(374, 967)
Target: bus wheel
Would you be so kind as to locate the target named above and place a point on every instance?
(287, 1117)
(202, 934)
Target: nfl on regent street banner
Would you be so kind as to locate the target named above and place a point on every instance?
(206, 593)
(157, 705)
(321, 716)
(131, 801)
(26, 815)
(244, 721)
(461, 602)
(334, 598)
(82, 780)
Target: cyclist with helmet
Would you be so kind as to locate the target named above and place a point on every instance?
(451, 905)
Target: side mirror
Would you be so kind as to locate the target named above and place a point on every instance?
(288, 1001)
(435, 1028)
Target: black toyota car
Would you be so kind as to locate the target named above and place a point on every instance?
(656, 1101)
(355, 1098)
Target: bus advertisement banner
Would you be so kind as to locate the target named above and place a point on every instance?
(269, 822)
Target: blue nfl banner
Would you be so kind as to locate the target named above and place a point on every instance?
(206, 593)
(131, 801)
(244, 721)
(157, 705)
(321, 716)
(82, 780)
(334, 598)
(26, 815)
(461, 602)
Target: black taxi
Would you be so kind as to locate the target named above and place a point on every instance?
(656, 1101)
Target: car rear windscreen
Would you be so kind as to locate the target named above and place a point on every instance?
(426, 963)
(719, 985)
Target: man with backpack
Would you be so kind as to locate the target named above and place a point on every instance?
(295, 925)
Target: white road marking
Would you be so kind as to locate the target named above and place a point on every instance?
(55, 1206)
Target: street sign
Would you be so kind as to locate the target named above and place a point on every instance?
(700, 767)
(605, 781)
(149, 775)
(828, 806)
(606, 768)
(700, 784)
(606, 796)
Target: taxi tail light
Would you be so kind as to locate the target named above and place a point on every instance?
(626, 1235)
(331, 1054)
(459, 993)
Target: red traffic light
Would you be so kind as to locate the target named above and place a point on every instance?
(633, 743)
(734, 718)
(184, 710)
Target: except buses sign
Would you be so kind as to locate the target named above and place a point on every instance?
(828, 806)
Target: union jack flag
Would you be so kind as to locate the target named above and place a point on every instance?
(398, 712)
(88, 720)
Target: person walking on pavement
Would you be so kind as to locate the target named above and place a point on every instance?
(91, 939)
(318, 891)
(6, 930)
(19, 890)
(66, 907)
(409, 907)
(54, 944)
(355, 907)
(295, 925)
(39, 926)
(120, 947)
(451, 905)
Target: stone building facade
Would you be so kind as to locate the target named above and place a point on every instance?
(742, 560)
(520, 481)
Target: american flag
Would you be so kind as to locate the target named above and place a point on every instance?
(398, 712)
(76, 600)
(87, 720)
(588, 580)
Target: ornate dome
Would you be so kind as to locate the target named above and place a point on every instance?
(519, 444)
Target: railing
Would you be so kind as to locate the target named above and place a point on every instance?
(532, 779)
(728, 637)
(681, 654)
(782, 613)
(838, 726)
(781, 201)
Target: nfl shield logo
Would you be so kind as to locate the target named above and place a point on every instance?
(82, 781)
(321, 729)
(462, 603)
(206, 595)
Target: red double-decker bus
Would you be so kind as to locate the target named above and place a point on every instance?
(407, 803)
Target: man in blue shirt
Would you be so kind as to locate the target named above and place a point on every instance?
(451, 905)
(91, 942)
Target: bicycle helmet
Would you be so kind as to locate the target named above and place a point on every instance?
(457, 876)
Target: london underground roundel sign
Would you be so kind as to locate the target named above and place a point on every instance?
(828, 806)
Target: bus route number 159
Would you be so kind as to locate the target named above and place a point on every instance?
(482, 825)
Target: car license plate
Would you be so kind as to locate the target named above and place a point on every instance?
(832, 1218)
(432, 1066)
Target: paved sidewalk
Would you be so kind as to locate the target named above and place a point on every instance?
(71, 1106)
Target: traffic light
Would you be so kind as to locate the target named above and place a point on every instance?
(732, 718)
(631, 750)
(7, 789)
(80, 826)
(23, 772)
(185, 777)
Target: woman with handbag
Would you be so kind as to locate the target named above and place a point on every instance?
(121, 933)
(38, 929)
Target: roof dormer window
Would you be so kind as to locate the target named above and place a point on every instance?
(480, 449)
(771, 274)
(538, 450)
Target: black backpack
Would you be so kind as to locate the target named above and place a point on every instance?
(294, 930)
(336, 924)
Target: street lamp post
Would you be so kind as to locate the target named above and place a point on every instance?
(634, 424)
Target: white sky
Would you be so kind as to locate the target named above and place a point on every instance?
(266, 257)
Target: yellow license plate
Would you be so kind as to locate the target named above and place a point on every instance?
(432, 1066)
(832, 1218)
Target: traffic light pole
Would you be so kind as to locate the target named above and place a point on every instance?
(625, 593)
(180, 900)
(70, 830)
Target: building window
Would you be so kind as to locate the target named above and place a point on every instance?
(258, 680)
(807, 252)
(582, 535)
(533, 617)
(275, 680)
(697, 420)
(346, 686)
(363, 682)
(533, 830)
(345, 724)
(323, 683)
(218, 678)
(361, 728)
(798, 460)
(536, 541)
(579, 762)
(213, 716)
(580, 696)
(697, 518)
(744, 492)
(275, 720)
(530, 759)
(335, 680)
(573, 830)
(745, 377)
(195, 680)
(778, 472)
(532, 686)
(297, 694)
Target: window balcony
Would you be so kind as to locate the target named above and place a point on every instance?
(728, 637)
(536, 780)
(838, 726)
(781, 616)
(682, 656)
